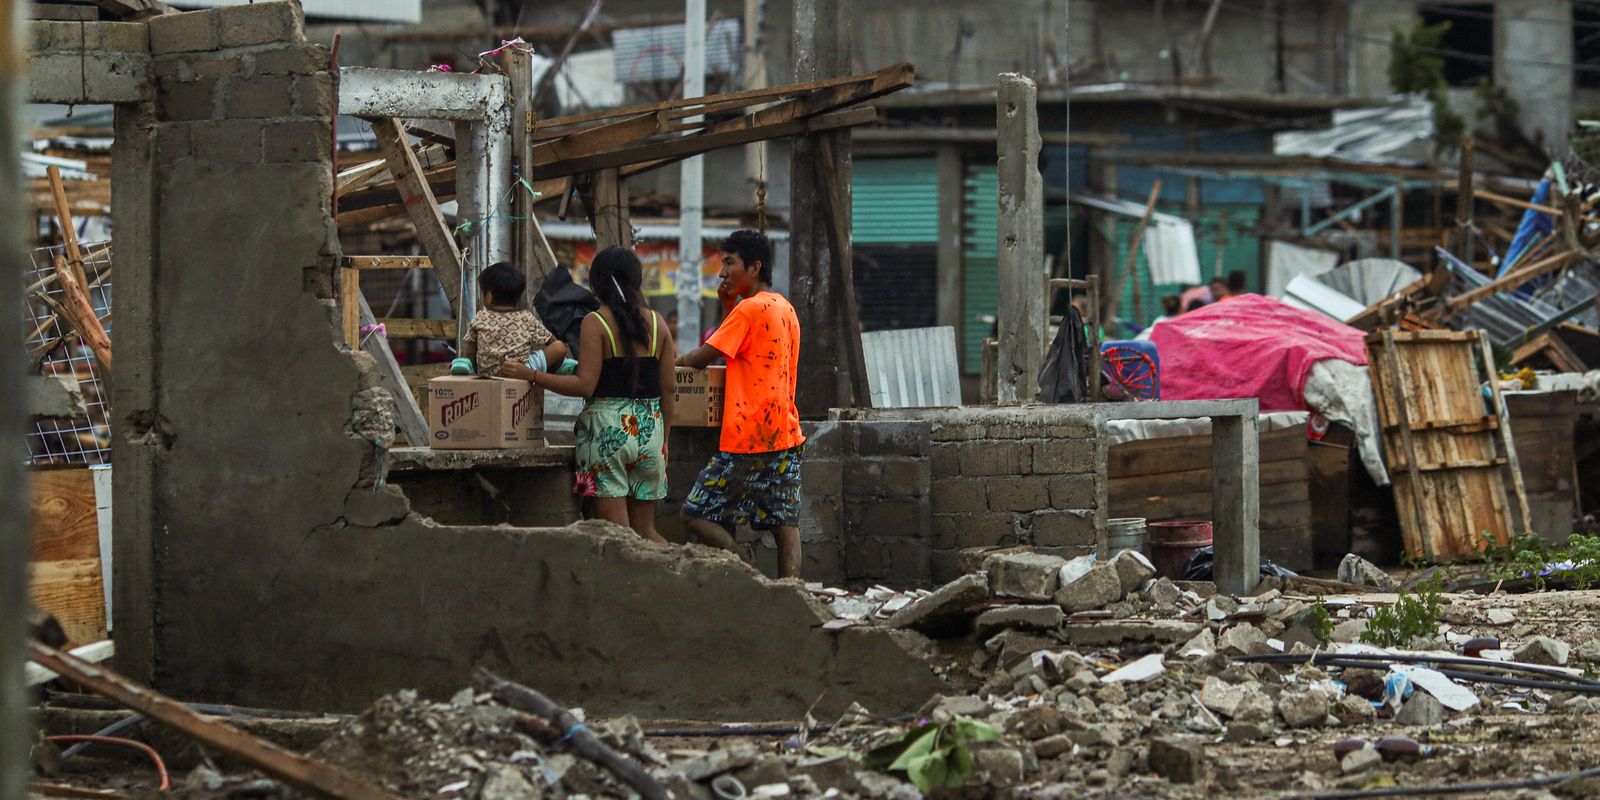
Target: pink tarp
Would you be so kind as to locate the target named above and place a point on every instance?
(1250, 346)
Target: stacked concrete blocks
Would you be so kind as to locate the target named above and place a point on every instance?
(866, 501)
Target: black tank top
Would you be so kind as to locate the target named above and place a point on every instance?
(616, 380)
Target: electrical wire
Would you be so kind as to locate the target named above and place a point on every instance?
(161, 766)
(1462, 788)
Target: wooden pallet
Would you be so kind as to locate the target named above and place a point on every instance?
(1444, 443)
(65, 575)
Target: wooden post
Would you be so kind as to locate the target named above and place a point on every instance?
(1464, 199)
(350, 306)
(821, 51)
(1514, 464)
(609, 217)
(422, 207)
(837, 215)
(1203, 46)
(947, 259)
(1020, 240)
(529, 250)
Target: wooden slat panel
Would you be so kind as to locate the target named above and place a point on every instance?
(1138, 487)
(62, 514)
(387, 262)
(1452, 497)
(1291, 505)
(72, 591)
(399, 328)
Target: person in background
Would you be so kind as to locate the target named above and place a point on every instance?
(625, 372)
(1170, 307)
(503, 332)
(1219, 289)
(754, 479)
(1236, 283)
(672, 324)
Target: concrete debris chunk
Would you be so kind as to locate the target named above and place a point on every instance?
(1303, 709)
(1352, 710)
(1075, 569)
(1221, 696)
(1179, 760)
(1242, 639)
(999, 766)
(1257, 707)
(1029, 576)
(1361, 572)
(1097, 588)
(1420, 710)
(1052, 746)
(1357, 761)
(1543, 651)
(1501, 616)
(1164, 594)
(1349, 631)
(1133, 569)
(1219, 607)
(1452, 695)
(1144, 669)
(1037, 722)
(1203, 644)
(1038, 618)
(949, 602)
(1589, 652)
(1123, 632)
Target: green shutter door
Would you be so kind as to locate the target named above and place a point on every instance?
(980, 290)
(895, 201)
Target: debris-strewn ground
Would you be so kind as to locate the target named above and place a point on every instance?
(1096, 681)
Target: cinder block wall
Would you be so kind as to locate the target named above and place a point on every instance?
(1008, 476)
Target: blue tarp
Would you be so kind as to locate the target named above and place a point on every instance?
(1535, 225)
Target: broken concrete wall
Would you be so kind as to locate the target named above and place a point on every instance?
(257, 564)
(1006, 476)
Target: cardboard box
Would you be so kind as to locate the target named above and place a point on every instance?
(471, 413)
(698, 396)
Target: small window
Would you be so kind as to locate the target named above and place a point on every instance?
(1468, 47)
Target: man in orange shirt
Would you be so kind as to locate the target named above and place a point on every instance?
(755, 478)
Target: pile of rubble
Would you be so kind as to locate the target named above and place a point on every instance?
(1081, 676)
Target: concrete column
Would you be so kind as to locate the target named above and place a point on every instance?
(1021, 240)
(1533, 63)
(1371, 26)
(15, 734)
(1236, 502)
(821, 50)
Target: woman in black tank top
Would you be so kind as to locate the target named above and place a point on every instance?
(625, 371)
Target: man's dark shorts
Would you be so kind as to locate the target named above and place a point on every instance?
(761, 490)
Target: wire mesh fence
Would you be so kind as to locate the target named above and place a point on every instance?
(54, 349)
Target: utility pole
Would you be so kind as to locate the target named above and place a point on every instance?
(1021, 240)
(691, 194)
(15, 735)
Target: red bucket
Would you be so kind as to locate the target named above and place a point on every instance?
(1171, 544)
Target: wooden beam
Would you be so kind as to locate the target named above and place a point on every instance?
(1512, 279)
(79, 312)
(1132, 260)
(386, 262)
(695, 106)
(400, 328)
(529, 249)
(350, 306)
(408, 415)
(69, 231)
(422, 207)
(298, 771)
(654, 155)
(1485, 194)
(836, 219)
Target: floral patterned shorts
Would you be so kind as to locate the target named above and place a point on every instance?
(758, 489)
(619, 449)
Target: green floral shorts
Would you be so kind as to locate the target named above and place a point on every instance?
(619, 449)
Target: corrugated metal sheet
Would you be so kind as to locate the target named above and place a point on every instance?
(912, 368)
(656, 53)
(894, 201)
(980, 289)
(399, 11)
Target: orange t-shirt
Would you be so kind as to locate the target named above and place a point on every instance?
(761, 341)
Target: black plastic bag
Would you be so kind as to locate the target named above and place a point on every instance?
(1065, 376)
(1199, 566)
(562, 304)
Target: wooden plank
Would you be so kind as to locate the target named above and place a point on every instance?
(652, 155)
(416, 375)
(399, 328)
(1513, 279)
(78, 311)
(62, 515)
(299, 771)
(93, 653)
(696, 106)
(1486, 352)
(836, 220)
(1290, 505)
(408, 412)
(422, 207)
(1464, 463)
(1392, 397)
(73, 590)
(1478, 425)
(69, 231)
(386, 262)
(350, 306)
